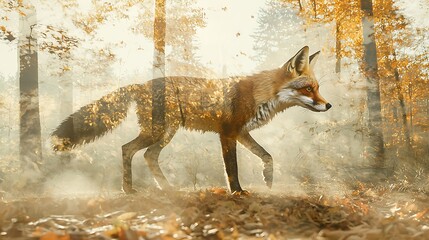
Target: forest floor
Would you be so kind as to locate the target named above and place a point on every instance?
(364, 213)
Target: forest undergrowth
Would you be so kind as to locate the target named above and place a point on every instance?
(364, 212)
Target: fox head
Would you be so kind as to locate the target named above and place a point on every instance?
(298, 85)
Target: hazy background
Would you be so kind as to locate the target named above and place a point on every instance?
(321, 152)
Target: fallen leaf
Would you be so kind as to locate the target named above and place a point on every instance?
(127, 216)
(421, 214)
(54, 236)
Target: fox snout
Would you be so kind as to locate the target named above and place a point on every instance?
(321, 101)
(328, 106)
(311, 99)
(319, 107)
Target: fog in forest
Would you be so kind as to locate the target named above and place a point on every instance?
(86, 49)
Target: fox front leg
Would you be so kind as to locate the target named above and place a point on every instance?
(248, 142)
(229, 151)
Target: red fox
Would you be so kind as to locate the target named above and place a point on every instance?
(231, 107)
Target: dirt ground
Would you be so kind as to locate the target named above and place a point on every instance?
(216, 214)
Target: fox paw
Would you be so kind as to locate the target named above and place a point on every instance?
(269, 183)
(241, 193)
(129, 190)
(268, 174)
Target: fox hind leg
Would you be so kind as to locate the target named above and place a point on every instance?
(128, 151)
(152, 154)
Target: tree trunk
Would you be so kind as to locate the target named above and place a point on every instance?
(300, 5)
(30, 146)
(401, 100)
(375, 150)
(338, 46)
(158, 86)
(159, 27)
(315, 9)
(411, 105)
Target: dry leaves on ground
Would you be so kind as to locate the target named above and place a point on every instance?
(215, 214)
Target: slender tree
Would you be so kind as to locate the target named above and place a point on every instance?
(159, 27)
(389, 20)
(30, 130)
(158, 87)
(338, 46)
(376, 144)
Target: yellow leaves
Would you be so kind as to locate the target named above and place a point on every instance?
(99, 18)
(207, 214)
(131, 3)
(54, 236)
(22, 13)
(218, 191)
(43, 234)
(65, 68)
(421, 214)
(402, 69)
(345, 14)
(93, 19)
(86, 23)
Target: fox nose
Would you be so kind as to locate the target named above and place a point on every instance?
(328, 106)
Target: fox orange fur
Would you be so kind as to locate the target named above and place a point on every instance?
(230, 107)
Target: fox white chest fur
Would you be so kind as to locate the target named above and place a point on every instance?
(264, 113)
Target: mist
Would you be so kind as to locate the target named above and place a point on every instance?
(87, 50)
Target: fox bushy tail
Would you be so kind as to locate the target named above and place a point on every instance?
(94, 120)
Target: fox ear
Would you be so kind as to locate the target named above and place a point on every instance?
(298, 63)
(313, 59)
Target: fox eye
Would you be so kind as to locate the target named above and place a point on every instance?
(309, 89)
